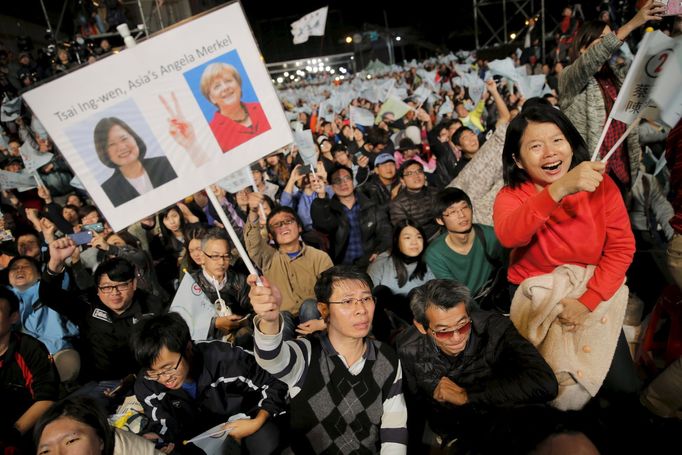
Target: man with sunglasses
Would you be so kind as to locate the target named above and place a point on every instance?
(105, 314)
(471, 372)
(187, 388)
(290, 264)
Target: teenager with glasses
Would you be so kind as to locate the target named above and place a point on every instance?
(104, 314)
(471, 372)
(186, 388)
(345, 388)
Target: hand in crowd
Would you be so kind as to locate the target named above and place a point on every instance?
(227, 324)
(448, 392)
(266, 301)
(312, 326)
(651, 11)
(255, 199)
(243, 428)
(363, 161)
(491, 86)
(573, 315)
(318, 186)
(321, 171)
(587, 176)
(99, 243)
(44, 194)
(60, 250)
(47, 228)
(187, 213)
(168, 448)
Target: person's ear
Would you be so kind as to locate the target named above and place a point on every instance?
(323, 308)
(134, 283)
(517, 162)
(14, 318)
(439, 220)
(419, 327)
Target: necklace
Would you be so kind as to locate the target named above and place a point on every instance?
(246, 115)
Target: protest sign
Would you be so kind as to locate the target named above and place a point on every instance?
(154, 123)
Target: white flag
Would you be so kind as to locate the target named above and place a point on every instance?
(532, 86)
(504, 68)
(361, 116)
(421, 94)
(476, 90)
(236, 181)
(446, 108)
(11, 109)
(654, 52)
(311, 24)
(20, 180)
(395, 105)
(196, 309)
(666, 93)
(306, 146)
(33, 159)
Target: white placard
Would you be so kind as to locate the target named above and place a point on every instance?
(155, 88)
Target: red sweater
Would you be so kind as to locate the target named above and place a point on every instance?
(231, 134)
(583, 229)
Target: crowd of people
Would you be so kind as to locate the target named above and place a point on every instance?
(418, 282)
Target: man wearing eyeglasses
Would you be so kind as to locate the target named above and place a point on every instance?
(415, 201)
(291, 265)
(226, 288)
(467, 252)
(104, 314)
(358, 229)
(471, 372)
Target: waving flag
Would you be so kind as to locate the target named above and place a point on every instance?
(311, 24)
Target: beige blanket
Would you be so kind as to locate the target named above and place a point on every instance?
(579, 359)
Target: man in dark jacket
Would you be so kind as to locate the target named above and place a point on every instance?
(186, 388)
(358, 229)
(415, 201)
(472, 373)
(384, 179)
(104, 315)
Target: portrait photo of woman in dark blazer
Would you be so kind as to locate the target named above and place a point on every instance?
(122, 149)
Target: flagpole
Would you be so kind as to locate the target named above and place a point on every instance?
(233, 235)
(632, 126)
(595, 155)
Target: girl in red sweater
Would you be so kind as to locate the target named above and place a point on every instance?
(557, 207)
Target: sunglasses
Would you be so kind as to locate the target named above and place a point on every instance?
(447, 334)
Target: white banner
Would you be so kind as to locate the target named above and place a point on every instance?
(654, 52)
(312, 24)
(152, 124)
(532, 86)
(504, 68)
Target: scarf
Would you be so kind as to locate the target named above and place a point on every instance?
(619, 163)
